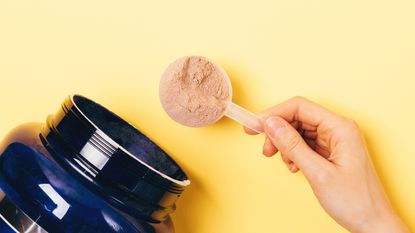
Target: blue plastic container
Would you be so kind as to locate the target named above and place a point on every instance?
(86, 170)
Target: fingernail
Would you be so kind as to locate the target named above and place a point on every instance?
(275, 127)
(291, 166)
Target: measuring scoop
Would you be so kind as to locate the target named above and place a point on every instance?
(196, 92)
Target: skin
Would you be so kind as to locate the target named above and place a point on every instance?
(331, 152)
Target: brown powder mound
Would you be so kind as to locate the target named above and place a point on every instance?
(194, 91)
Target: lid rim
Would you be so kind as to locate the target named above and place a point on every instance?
(183, 183)
(101, 163)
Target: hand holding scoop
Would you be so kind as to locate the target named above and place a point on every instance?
(196, 92)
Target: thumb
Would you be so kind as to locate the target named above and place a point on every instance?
(290, 143)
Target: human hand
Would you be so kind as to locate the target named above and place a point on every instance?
(331, 152)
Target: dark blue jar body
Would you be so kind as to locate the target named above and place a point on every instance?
(47, 185)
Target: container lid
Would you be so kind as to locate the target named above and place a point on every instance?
(114, 158)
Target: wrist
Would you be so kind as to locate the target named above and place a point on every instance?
(387, 222)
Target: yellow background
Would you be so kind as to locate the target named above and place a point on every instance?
(355, 57)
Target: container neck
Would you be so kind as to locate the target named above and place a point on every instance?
(114, 159)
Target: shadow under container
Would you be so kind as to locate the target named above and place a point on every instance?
(86, 170)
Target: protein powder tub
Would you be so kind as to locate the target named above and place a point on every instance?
(86, 171)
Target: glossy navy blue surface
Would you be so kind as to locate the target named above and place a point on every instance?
(23, 171)
(125, 180)
(5, 227)
(86, 170)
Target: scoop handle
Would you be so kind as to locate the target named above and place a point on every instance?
(245, 117)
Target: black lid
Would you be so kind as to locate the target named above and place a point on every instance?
(114, 158)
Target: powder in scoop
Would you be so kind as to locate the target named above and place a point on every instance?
(194, 91)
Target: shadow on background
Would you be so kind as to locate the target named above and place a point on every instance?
(192, 206)
(382, 176)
